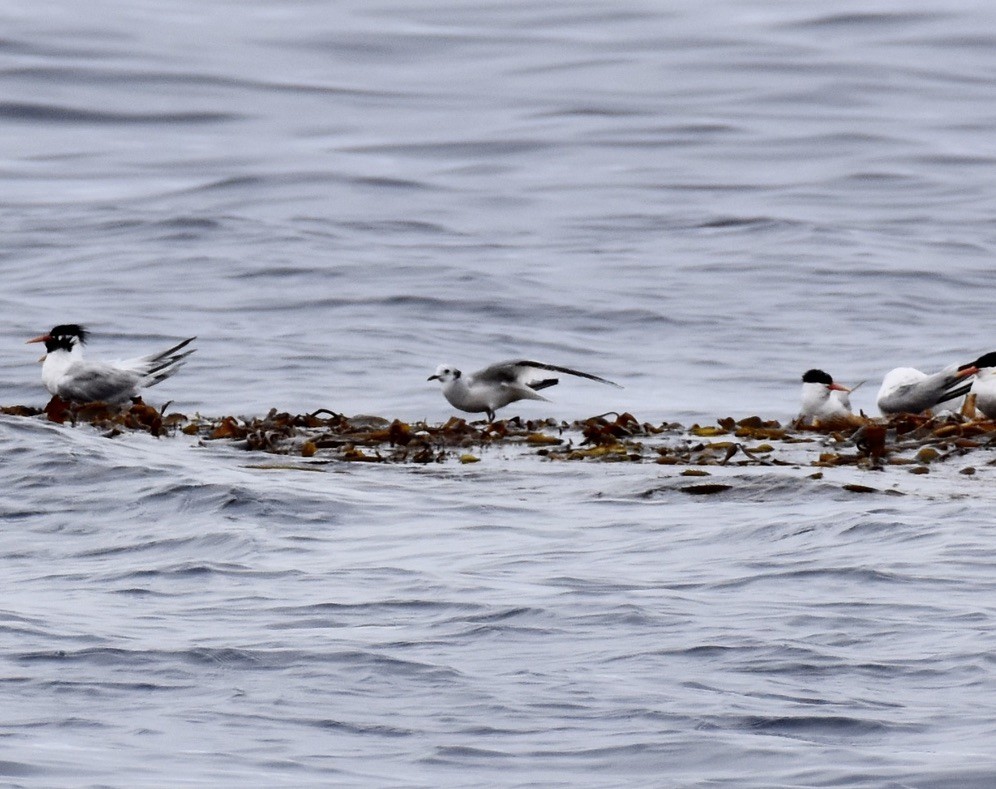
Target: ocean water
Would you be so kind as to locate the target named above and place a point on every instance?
(697, 200)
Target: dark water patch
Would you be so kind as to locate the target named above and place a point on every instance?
(460, 150)
(401, 227)
(24, 111)
(870, 20)
(502, 615)
(188, 570)
(105, 687)
(257, 183)
(403, 668)
(746, 223)
(136, 591)
(568, 65)
(235, 182)
(19, 769)
(952, 778)
(745, 489)
(189, 223)
(394, 184)
(983, 43)
(955, 160)
(70, 723)
(865, 576)
(594, 111)
(96, 656)
(344, 727)
(456, 754)
(586, 586)
(832, 726)
(48, 50)
(170, 80)
(227, 657)
(702, 651)
(321, 615)
(881, 179)
(705, 489)
(290, 271)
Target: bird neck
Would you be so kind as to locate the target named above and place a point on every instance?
(57, 362)
(455, 385)
(814, 394)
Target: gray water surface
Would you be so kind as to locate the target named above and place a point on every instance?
(699, 201)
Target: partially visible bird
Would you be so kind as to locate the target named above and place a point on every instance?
(67, 374)
(496, 386)
(984, 387)
(908, 390)
(823, 401)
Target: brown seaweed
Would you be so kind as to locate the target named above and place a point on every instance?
(917, 441)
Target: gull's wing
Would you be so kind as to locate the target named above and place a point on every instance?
(517, 371)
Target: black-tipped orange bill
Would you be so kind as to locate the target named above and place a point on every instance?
(40, 338)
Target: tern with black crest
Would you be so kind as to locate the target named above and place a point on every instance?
(68, 375)
(823, 400)
(496, 386)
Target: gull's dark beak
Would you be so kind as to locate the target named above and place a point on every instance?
(432, 378)
(40, 338)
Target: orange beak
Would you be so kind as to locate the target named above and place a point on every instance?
(966, 371)
(839, 387)
(40, 338)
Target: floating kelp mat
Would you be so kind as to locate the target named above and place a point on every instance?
(915, 444)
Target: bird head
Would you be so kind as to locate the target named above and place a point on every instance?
(65, 337)
(445, 373)
(820, 377)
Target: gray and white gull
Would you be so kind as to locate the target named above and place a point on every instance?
(496, 386)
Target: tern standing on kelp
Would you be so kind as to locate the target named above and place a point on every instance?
(69, 376)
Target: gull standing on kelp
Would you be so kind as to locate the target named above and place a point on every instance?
(496, 386)
(984, 387)
(824, 401)
(908, 390)
(68, 375)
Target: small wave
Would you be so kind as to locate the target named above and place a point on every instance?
(19, 769)
(24, 111)
(459, 150)
(866, 20)
(816, 725)
(380, 730)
